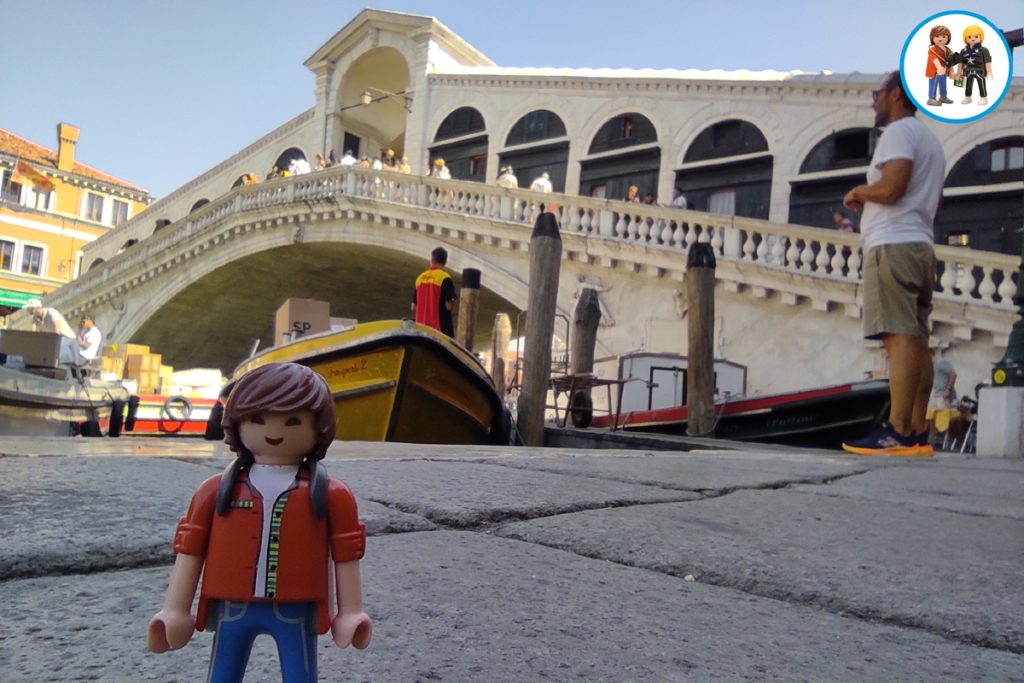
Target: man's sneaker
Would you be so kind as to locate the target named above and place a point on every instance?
(934, 102)
(883, 441)
(945, 100)
(966, 100)
(924, 449)
(983, 101)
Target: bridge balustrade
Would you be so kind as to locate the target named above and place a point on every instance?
(966, 276)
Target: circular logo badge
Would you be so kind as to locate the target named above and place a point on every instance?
(999, 376)
(956, 66)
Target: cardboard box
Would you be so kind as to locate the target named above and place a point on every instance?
(39, 349)
(340, 324)
(134, 349)
(134, 366)
(297, 318)
(153, 362)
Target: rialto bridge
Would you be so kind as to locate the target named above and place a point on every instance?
(788, 300)
(763, 157)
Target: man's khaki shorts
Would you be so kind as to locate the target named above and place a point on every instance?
(899, 280)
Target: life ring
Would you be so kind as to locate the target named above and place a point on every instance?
(177, 408)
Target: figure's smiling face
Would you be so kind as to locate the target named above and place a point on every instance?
(279, 438)
(972, 40)
(941, 40)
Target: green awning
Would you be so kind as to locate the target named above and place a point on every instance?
(16, 299)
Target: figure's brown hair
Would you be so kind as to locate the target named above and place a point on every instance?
(939, 30)
(279, 388)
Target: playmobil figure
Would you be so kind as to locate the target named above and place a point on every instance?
(263, 529)
(938, 56)
(975, 64)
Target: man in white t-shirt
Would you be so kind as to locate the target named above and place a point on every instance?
(542, 183)
(89, 338)
(899, 203)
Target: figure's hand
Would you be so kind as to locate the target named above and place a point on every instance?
(352, 629)
(170, 630)
(852, 201)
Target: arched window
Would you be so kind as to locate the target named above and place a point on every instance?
(983, 205)
(198, 205)
(611, 175)
(162, 223)
(129, 243)
(462, 121)
(815, 196)
(540, 148)
(95, 263)
(466, 155)
(739, 180)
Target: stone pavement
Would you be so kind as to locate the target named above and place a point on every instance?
(501, 564)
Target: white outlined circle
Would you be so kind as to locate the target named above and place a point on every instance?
(914, 62)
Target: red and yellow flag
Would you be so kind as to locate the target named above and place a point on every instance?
(24, 173)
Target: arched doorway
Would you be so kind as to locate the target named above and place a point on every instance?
(819, 189)
(728, 170)
(536, 144)
(461, 140)
(284, 161)
(982, 201)
(624, 152)
(372, 105)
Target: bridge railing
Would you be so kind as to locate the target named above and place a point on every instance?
(966, 275)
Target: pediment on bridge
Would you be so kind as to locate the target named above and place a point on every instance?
(436, 39)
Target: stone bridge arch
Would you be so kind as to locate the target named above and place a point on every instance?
(189, 307)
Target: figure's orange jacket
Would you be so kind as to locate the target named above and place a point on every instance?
(230, 543)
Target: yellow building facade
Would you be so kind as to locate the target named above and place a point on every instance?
(51, 206)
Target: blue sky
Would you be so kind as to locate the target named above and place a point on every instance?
(164, 90)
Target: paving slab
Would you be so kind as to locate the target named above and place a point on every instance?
(954, 574)
(714, 472)
(67, 514)
(465, 494)
(972, 486)
(476, 608)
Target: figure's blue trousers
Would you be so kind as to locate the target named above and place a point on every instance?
(937, 82)
(292, 625)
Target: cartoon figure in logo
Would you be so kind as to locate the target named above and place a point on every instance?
(938, 57)
(265, 530)
(975, 64)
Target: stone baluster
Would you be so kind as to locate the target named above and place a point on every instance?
(987, 287)
(838, 259)
(585, 218)
(792, 254)
(1007, 289)
(807, 256)
(717, 240)
(762, 249)
(853, 264)
(691, 237)
(621, 229)
(667, 233)
(749, 247)
(779, 251)
(949, 277)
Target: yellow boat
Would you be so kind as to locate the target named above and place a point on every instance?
(396, 380)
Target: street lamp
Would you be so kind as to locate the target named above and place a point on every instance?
(367, 97)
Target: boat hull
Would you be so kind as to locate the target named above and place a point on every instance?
(821, 418)
(398, 381)
(31, 405)
(169, 416)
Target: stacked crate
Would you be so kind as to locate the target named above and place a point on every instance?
(136, 363)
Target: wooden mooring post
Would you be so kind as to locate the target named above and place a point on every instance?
(501, 335)
(469, 304)
(545, 263)
(700, 365)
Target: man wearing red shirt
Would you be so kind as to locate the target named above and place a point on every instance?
(434, 297)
